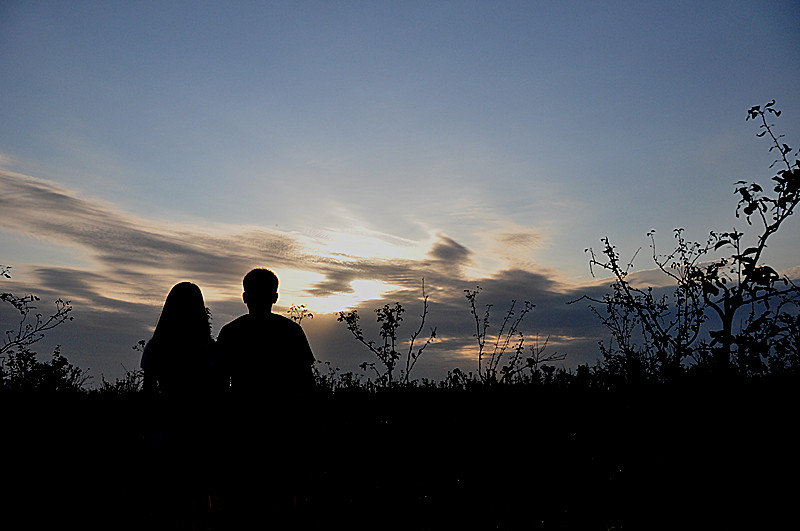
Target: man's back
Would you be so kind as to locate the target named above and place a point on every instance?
(265, 356)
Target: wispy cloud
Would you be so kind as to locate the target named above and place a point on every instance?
(124, 246)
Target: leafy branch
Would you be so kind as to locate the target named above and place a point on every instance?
(32, 324)
(390, 317)
(508, 342)
(298, 313)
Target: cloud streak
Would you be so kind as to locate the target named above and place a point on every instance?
(124, 246)
(121, 243)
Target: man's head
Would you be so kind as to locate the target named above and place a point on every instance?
(260, 289)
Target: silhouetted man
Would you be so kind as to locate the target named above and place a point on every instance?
(265, 356)
(266, 361)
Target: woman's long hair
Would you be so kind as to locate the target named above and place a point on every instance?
(179, 354)
(184, 316)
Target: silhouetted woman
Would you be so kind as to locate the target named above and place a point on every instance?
(177, 360)
(177, 376)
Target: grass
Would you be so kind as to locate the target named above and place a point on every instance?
(428, 458)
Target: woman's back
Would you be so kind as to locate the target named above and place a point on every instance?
(179, 365)
(178, 359)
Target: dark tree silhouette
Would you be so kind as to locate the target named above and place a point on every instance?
(707, 290)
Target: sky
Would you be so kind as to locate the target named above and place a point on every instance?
(357, 148)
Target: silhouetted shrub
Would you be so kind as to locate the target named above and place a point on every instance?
(390, 317)
(656, 337)
(21, 372)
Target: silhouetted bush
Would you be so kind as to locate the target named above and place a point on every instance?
(22, 372)
(658, 336)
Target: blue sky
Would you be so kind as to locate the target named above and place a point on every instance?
(356, 147)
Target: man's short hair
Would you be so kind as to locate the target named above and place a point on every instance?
(260, 281)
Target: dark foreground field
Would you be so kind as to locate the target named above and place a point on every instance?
(440, 459)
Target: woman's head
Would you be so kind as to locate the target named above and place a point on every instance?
(184, 312)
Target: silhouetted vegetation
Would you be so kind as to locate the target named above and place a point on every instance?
(508, 345)
(31, 325)
(657, 336)
(390, 317)
(683, 422)
(20, 370)
(563, 451)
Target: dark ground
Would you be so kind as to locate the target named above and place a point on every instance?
(662, 458)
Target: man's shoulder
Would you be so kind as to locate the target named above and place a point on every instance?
(239, 322)
(248, 321)
(280, 320)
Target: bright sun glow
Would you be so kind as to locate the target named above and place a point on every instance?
(363, 290)
(344, 246)
(295, 283)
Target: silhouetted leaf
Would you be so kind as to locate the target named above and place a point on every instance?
(767, 270)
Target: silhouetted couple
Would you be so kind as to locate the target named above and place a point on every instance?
(228, 415)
